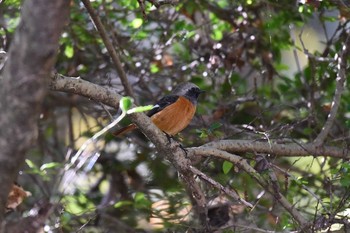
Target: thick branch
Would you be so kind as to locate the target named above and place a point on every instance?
(24, 83)
(84, 88)
(288, 150)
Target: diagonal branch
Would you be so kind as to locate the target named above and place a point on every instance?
(339, 89)
(171, 151)
(216, 184)
(110, 48)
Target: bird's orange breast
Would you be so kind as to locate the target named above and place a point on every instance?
(175, 117)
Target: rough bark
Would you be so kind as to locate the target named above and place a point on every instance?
(24, 83)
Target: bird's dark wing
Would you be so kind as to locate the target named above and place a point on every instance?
(163, 103)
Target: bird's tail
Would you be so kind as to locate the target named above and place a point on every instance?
(124, 130)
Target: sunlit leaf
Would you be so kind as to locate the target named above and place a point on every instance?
(120, 204)
(136, 23)
(140, 109)
(50, 165)
(125, 103)
(69, 51)
(30, 164)
(154, 68)
(217, 35)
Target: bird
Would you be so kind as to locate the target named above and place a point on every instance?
(173, 112)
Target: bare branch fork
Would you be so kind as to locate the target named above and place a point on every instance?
(242, 163)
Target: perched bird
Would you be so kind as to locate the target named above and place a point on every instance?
(173, 112)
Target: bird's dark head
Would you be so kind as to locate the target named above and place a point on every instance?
(188, 90)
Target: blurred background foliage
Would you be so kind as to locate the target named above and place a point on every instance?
(269, 70)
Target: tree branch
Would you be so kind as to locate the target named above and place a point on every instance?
(24, 83)
(219, 186)
(158, 3)
(287, 150)
(171, 152)
(339, 89)
(176, 156)
(110, 48)
(84, 88)
(242, 163)
(110, 98)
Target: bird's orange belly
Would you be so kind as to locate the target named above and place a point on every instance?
(175, 117)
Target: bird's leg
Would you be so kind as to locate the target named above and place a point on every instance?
(170, 137)
(184, 149)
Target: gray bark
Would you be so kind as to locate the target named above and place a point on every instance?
(24, 83)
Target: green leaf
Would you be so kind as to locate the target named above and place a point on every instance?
(69, 51)
(120, 204)
(346, 166)
(136, 23)
(202, 133)
(34, 169)
(139, 196)
(154, 68)
(141, 201)
(125, 103)
(30, 164)
(140, 35)
(217, 35)
(345, 181)
(226, 167)
(49, 166)
(140, 109)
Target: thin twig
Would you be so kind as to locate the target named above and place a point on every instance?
(242, 163)
(303, 186)
(216, 184)
(110, 48)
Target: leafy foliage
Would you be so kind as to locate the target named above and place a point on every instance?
(249, 56)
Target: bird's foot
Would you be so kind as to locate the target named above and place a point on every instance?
(170, 138)
(184, 149)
